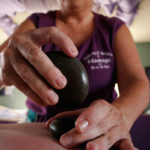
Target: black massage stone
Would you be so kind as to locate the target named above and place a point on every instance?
(61, 125)
(77, 86)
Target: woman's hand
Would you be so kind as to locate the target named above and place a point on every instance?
(101, 125)
(24, 53)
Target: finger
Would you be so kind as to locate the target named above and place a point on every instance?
(24, 70)
(126, 144)
(107, 140)
(54, 35)
(74, 138)
(100, 129)
(92, 115)
(1, 66)
(5, 70)
(41, 63)
(22, 86)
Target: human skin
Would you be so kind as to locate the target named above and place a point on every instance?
(118, 116)
(33, 136)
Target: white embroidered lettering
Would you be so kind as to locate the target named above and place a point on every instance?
(98, 60)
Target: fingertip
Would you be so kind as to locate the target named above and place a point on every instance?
(92, 146)
(60, 82)
(73, 51)
(82, 126)
(52, 98)
(47, 124)
(66, 140)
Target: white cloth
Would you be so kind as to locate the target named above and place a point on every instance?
(126, 11)
(41, 5)
(10, 7)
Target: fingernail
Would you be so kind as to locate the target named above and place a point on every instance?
(52, 98)
(66, 140)
(61, 82)
(92, 146)
(74, 52)
(83, 125)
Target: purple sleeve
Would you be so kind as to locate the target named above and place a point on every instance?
(34, 18)
(117, 23)
(112, 24)
(43, 19)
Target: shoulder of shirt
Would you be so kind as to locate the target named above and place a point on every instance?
(43, 14)
(108, 21)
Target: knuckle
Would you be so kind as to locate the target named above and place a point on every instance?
(29, 32)
(24, 73)
(102, 127)
(4, 71)
(34, 97)
(102, 103)
(117, 115)
(124, 132)
(21, 85)
(52, 31)
(41, 90)
(105, 103)
(5, 79)
(15, 40)
(66, 41)
(109, 139)
(34, 54)
(52, 72)
(7, 54)
(31, 94)
(94, 102)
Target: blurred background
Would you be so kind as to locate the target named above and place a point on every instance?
(135, 13)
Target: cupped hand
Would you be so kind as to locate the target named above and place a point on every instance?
(26, 65)
(102, 126)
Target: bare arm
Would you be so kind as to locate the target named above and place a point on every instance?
(132, 81)
(28, 137)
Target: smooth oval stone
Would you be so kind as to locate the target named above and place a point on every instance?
(61, 125)
(77, 86)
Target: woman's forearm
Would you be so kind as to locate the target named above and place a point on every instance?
(133, 100)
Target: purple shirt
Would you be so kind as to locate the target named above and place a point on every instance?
(97, 56)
